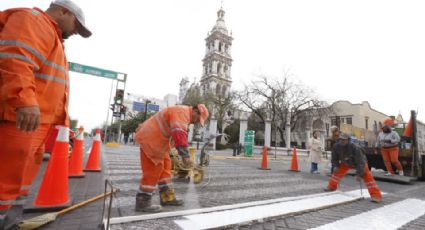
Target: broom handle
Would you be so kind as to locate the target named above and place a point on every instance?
(86, 202)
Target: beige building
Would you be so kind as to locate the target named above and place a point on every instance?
(358, 120)
(358, 115)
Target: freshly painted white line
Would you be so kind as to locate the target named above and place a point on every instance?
(126, 219)
(241, 215)
(388, 217)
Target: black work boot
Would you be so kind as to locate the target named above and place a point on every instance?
(8, 220)
(144, 203)
(2, 219)
(167, 197)
(327, 189)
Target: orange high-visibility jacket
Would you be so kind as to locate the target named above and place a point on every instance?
(33, 66)
(154, 135)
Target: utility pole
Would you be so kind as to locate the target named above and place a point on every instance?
(146, 108)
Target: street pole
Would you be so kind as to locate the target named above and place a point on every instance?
(105, 135)
(146, 108)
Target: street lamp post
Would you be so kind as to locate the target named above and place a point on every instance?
(146, 108)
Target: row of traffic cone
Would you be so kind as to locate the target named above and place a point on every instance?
(53, 193)
(294, 161)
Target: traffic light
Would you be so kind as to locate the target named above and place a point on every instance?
(112, 107)
(119, 96)
(123, 109)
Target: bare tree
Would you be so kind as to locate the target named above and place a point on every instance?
(281, 100)
(223, 107)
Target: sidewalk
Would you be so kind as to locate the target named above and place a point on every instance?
(80, 189)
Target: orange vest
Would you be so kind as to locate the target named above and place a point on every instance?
(33, 66)
(154, 134)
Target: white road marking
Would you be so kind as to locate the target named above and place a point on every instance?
(388, 217)
(241, 215)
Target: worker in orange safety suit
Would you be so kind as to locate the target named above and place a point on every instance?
(34, 93)
(387, 142)
(154, 136)
(346, 156)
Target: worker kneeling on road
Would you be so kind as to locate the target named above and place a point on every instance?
(154, 138)
(346, 156)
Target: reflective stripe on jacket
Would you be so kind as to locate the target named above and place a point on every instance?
(384, 138)
(154, 134)
(33, 66)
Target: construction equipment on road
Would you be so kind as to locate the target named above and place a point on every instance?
(197, 172)
(39, 221)
(411, 150)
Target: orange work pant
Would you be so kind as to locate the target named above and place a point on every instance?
(339, 174)
(153, 175)
(390, 155)
(21, 155)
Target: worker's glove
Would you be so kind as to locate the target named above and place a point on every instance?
(186, 161)
(183, 152)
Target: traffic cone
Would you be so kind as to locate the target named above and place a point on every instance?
(294, 162)
(53, 191)
(76, 161)
(93, 163)
(264, 161)
(408, 131)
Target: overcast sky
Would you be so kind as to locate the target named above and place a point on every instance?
(345, 50)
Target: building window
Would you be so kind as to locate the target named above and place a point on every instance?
(342, 120)
(366, 120)
(333, 121)
(349, 120)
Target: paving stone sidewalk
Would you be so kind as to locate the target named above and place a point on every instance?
(80, 189)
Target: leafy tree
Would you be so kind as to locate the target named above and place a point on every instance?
(193, 96)
(134, 119)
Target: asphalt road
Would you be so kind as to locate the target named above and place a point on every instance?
(231, 181)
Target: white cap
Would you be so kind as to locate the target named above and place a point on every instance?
(78, 13)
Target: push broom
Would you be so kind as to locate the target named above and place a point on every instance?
(39, 221)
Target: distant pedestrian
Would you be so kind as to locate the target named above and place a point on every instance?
(126, 136)
(315, 150)
(346, 156)
(387, 142)
(239, 148)
(34, 92)
(333, 140)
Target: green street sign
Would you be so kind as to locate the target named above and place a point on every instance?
(92, 70)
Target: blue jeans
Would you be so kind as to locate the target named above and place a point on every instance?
(313, 167)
